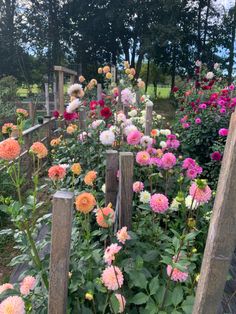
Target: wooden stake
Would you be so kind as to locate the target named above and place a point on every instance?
(55, 95)
(221, 235)
(47, 99)
(62, 214)
(126, 165)
(61, 91)
(112, 166)
(99, 91)
(148, 121)
(82, 118)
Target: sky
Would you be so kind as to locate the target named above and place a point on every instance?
(226, 3)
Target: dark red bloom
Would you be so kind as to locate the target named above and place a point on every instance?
(70, 116)
(101, 103)
(106, 112)
(56, 114)
(175, 89)
(93, 104)
(216, 156)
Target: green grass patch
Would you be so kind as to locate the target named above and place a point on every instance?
(162, 92)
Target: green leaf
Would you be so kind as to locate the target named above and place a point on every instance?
(6, 232)
(187, 305)
(150, 256)
(138, 279)
(177, 295)
(154, 285)
(115, 304)
(140, 298)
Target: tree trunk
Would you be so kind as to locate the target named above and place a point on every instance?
(231, 50)
(147, 77)
(133, 54)
(205, 31)
(155, 88)
(139, 63)
(173, 67)
(199, 41)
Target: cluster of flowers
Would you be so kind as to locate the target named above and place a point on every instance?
(15, 304)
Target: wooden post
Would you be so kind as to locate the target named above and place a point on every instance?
(126, 110)
(82, 118)
(112, 166)
(47, 99)
(62, 214)
(221, 238)
(138, 97)
(72, 79)
(32, 112)
(99, 91)
(113, 72)
(126, 169)
(55, 95)
(148, 120)
(61, 91)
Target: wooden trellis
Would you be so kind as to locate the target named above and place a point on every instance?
(221, 240)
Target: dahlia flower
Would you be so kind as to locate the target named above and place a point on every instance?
(112, 278)
(159, 203)
(107, 137)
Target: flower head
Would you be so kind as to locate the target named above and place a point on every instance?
(27, 284)
(106, 113)
(85, 202)
(223, 132)
(134, 137)
(216, 156)
(73, 105)
(39, 149)
(7, 128)
(168, 161)
(112, 278)
(12, 305)
(143, 158)
(145, 197)
(122, 235)
(109, 255)
(200, 194)
(138, 186)
(107, 137)
(159, 203)
(22, 112)
(90, 177)
(5, 287)
(105, 217)
(122, 302)
(9, 149)
(76, 168)
(76, 90)
(56, 172)
(176, 274)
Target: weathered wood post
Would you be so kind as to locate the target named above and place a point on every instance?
(126, 110)
(99, 91)
(112, 166)
(62, 214)
(113, 72)
(32, 112)
(47, 99)
(82, 118)
(126, 169)
(61, 91)
(55, 93)
(221, 238)
(148, 119)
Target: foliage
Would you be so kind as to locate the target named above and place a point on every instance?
(8, 90)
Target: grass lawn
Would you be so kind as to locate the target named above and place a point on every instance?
(162, 92)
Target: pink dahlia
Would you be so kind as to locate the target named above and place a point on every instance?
(27, 284)
(159, 203)
(175, 274)
(168, 161)
(112, 278)
(138, 186)
(134, 137)
(122, 235)
(201, 195)
(198, 121)
(109, 255)
(223, 132)
(122, 302)
(5, 287)
(143, 158)
(12, 305)
(188, 162)
(216, 156)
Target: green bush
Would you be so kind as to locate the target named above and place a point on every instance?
(8, 90)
